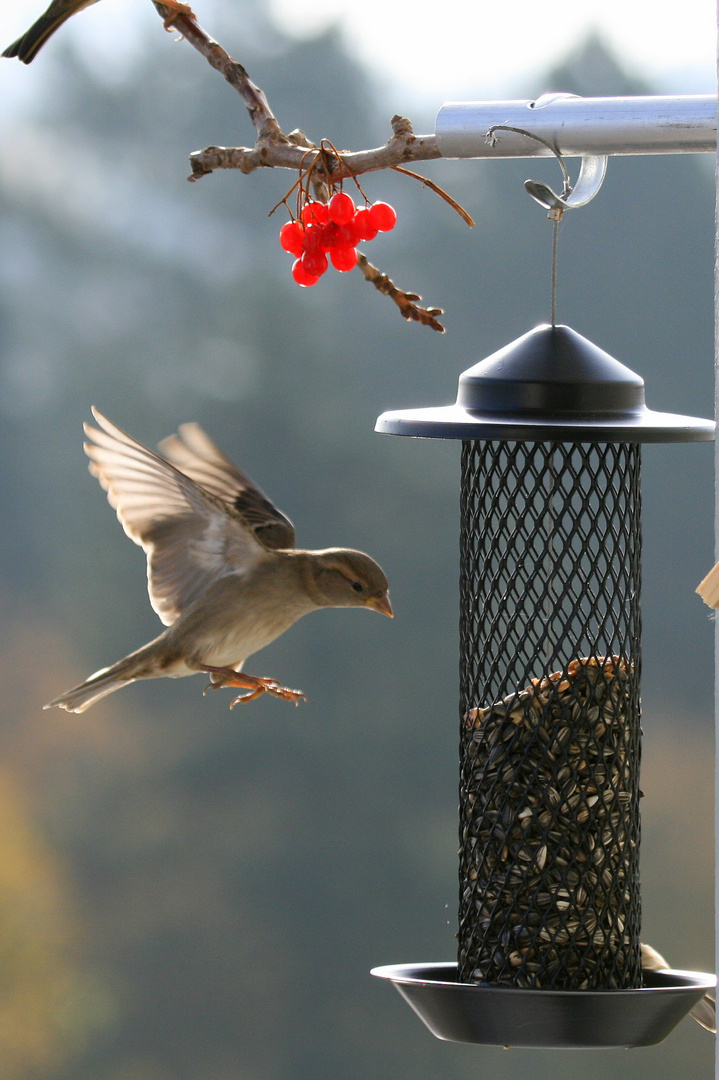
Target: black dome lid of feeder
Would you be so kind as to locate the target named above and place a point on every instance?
(549, 384)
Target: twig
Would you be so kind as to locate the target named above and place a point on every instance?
(406, 302)
(467, 218)
(255, 101)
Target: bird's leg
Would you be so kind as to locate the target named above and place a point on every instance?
(227, 676)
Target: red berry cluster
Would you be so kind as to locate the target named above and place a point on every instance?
(334, 228)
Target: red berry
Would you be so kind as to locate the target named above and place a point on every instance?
(364, 228)
(291, 237)
(315, 262)
(329, 235)
(315, 213)
(313, 239)
(341, 208)
(382, 216)
(302, 276)
(343, 258)
(346, 235)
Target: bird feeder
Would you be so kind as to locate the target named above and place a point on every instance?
(550, 641)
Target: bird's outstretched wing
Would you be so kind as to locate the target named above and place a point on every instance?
(194, 453)
(191, 536)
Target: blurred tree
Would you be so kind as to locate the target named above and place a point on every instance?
(41, 1007)
(232, 877)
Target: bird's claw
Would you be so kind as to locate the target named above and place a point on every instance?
(269, 686)
(256, 685)
(178, 8)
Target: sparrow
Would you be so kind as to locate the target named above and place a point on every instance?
(704, 1012)
(708, 587)
(224, 574)
(28, 46)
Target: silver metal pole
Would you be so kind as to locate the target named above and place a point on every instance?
(579, 126)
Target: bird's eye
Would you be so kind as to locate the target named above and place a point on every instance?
(357, 586)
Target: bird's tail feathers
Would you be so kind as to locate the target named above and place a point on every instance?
(103, 682)
(28, 46)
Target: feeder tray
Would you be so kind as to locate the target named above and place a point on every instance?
(504, 1016)
(550, 663)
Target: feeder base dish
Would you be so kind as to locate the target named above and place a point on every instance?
(505, 1016)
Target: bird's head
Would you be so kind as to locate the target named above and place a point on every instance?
(345, 578)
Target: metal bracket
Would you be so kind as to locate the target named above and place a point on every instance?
(591, 176)
(592, 171)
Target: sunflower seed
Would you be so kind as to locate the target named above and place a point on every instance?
(549, 805)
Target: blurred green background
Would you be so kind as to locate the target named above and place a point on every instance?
(187, 892)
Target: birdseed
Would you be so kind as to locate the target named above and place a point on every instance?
(550, 833)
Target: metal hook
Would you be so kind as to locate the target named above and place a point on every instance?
(591, 176)
(592, 171)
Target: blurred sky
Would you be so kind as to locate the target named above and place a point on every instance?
(435, 51)
(472, 46)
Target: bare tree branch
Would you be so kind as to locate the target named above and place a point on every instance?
(273, 148)
(328, 167)
(284, 155)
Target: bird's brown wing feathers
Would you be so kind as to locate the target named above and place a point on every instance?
(195, 454)
(190, 535)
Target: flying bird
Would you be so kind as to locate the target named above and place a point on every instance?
(704, 1012)
(29, 44)
(224, 574)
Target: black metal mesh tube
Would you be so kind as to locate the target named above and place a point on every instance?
(550, 732)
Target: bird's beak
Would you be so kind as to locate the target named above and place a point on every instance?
(381, 604)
